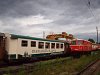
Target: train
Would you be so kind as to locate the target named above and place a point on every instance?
(81, 46)
(18, 47)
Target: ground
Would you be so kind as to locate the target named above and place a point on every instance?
(59, 66)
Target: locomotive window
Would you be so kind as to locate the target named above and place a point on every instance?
(57, 45)
(47, 45)
(61, 45)
(41, 45)
(33, 43)
(52, 45)
(73, 43)
(24, 43)
(79, 42)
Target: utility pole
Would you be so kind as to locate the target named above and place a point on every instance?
(97, 33)
(43, 34)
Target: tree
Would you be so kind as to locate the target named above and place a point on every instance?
(91, 40)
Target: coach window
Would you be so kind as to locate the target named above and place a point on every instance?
(41, 45)
(47, 45)
(57, 45)
(33, 43)
(24, 43)
(52, 45)
(61, 45)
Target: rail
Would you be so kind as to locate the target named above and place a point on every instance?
(90, 69)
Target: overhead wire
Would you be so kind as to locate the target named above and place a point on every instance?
(90, 9)
(88, 4)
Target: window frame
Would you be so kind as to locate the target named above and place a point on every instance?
(57, 45)
(34, 44)
(24, 43)
(47, 43)
(40, 47)
(52, 46)
(79, 42)
(73, 43)
(61, 45)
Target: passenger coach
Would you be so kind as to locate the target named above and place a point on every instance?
(19, 46)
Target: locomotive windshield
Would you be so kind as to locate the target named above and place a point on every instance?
(73, 42)
(79, 42)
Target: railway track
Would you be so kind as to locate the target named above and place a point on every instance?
(16, 63)
(91, 68)
(29, 61)
(27, 66)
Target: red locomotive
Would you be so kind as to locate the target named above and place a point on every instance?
(80, 46)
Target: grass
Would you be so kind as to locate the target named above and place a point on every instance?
(61, 66)
(98, 73)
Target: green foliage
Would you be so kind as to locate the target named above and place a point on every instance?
(91, 40)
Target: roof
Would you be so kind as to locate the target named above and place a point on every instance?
(13, 36)
(81, 40)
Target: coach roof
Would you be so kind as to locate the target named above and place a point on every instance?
(13, 36)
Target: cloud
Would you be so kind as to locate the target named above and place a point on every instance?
(30, 20)
(32, 17)
(84, 36)
(0, 22)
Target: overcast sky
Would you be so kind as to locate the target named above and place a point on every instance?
(32, 17)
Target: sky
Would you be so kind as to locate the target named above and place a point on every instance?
(33, 17)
